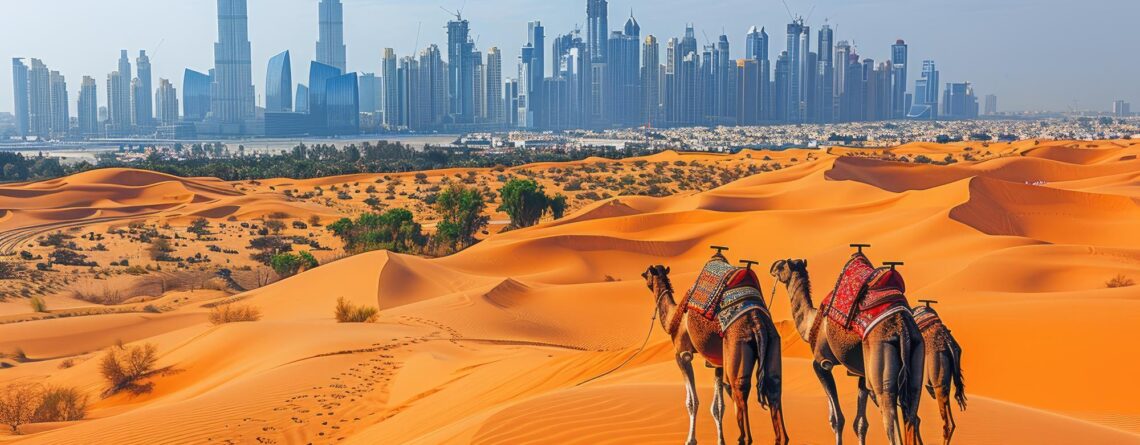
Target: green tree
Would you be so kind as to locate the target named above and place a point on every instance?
(461, 212)
(394, 230)
(525, 201)
(287, 264)
(558, 206)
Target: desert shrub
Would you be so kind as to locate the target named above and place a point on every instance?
(275, 225)
(10, 271)
(18, 404)
(67, 363)
(461, 215)
(61, 404)
(66, 257)
(1120, 281)
(525, 201)
(349, 313)
(122, 367)
(558, 206)
(152, 309)
(287, 264)
(234, 313)
(38, 304)
(395, 230)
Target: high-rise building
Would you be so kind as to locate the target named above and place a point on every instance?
(430, 93)
(196, 101)
(800, 70)
(747, 96)
(824, 82)
(342, 105)
(139, 101)
(166, 102)
(330, 42)
(478, 88)
(60, 118)
(621, 86)
(20, 95)
(279, 84)
(597, 16)
(494, 68)
(531, 75)
(407, 73)
(651, 80)
(369, 90)
(756, 48)
(88, 108)
(991, 105)
(390, 80)
(119, 98)
(1120, 108)
(959, 101)
(511, 101)
(319, 75)
(142, 111)
(925, 104)
(301, 99)
(899, 54)
(460, 71)
(782, 92)
(723, 73)
(232, 93)
(39, 100)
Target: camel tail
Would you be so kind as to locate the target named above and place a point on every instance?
(910, 372)
(761, 377)
(959, 380)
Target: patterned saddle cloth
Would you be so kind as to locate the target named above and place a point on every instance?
(926, 318)
(725, 293)
(863, 296)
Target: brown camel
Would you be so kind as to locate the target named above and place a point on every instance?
(887, 360)
(752, 342)
(943, 367)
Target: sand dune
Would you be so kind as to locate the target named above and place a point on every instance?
(489, 345)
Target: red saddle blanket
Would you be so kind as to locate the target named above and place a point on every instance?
(864, 296)
(926, 318)
(717, 278)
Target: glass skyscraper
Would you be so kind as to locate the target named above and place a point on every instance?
(20, 95)
(330, 43)
(195, 95)
(342, 105)
(279, 84)
(319, 75)
(88, 108)
(233, 94)
(898, 78)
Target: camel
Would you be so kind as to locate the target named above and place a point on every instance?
(943, 367)
(752, 342)
(886, 360)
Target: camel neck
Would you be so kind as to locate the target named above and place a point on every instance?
(799, 289)
(665, 307)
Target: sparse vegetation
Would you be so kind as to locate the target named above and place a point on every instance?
(287, 264)
(38, 304)
(347, 312)
(461, 215)
(395, 230)
(1120, 281)
(525, 201)
(18, 403)
(122, 367)
(25, 403)
(234, 313)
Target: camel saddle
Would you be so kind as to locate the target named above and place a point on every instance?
(927, 318)
(863, 297)
(724, 293)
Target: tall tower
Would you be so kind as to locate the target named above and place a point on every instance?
(166, 102)
(143, 106)
(389, 78)
(330, 43)
(797, 65)
(60, 118)
(39, 99)
(494, 80)
(279, 84)
(650, 79)
(233, 94)
(597, 15)
(119, 97)
(460, 70)
(756, 48)
(88, 108)
(20, 95)
(825, 75)
(898, 79)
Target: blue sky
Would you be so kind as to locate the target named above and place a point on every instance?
(1034, 54)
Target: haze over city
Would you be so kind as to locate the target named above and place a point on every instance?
(1035, 55)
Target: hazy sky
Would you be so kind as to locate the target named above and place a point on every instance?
(1034, 54)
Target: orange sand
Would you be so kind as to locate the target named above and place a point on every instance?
(487, 346)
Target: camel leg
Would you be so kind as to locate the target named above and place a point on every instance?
(718, 405)
(685, 362)
(740, 360)
(773, 389)
(911, 389)
(861, 424)
(828, 382)
(948, 425)
(883, 366)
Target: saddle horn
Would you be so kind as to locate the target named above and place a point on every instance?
(894, 264)
(861, 247)
(749, 263)
(928, 303)
(719, 251)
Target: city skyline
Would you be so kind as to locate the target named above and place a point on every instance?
(433, 32)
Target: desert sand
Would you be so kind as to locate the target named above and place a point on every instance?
(489, 345)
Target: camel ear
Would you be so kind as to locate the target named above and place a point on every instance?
(645, 275)
(667, 270)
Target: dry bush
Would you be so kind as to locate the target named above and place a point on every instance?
(122, 367)
(67, 363)
(61, 405)
(234, 313)
(18, 404)
(1120, 281)
(349, 313)
(38, 304)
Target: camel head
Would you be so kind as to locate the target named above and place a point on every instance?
(657, 276)
(782, 270)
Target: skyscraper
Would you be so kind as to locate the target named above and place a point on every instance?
(319, 75)
(531, 64)
(926, 93)
(301, 99)
(342, 105)
(20, 95)
(195, 95)
(60, 118)
(494, 68)
(825, 76)
(898, 78)
(330, 43)
(724, 71)
(991, 105)
(232, 94)
(959, 101)
(478, 88)
(143, 109)
(139, 101)
(119, 98)
(799, 37)
(279, 84)
(390, 80)
(756, 48)
(88, 108)
(369, 90)
(460, 70)
(650, 80)
(166, 103)
(621, 87)
(597, 15)
(39, 100)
